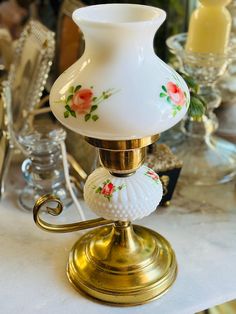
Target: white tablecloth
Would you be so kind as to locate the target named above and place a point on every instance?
(200, 224)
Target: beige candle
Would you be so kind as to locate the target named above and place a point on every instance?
(209, 27)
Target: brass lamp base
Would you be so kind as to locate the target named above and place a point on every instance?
(122, 264)
(117, 263)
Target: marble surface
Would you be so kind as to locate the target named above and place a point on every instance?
(200, 224)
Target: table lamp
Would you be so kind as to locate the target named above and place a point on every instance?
(119, 96)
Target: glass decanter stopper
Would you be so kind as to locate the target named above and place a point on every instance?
(43, 169)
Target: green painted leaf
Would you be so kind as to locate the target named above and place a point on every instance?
(93, 108)
(94, 98)
(178, 108)
(69, 98)
(66, 114)
(68, 107)
(168, 99)
(174, 113)
(71, 90)
(95, 117)
(164, 88)
(73, 113)
(98, 190)
(163, 95)
(78, 87)
(87, 116)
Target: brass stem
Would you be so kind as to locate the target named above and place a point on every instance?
(125, 237)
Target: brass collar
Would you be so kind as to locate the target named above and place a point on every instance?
(122, 144)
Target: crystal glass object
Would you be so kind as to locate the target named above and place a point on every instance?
(227, 84)
(207, 159)
(119, 95)
(29, 71)
(43, 169)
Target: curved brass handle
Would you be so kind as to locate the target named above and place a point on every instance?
(47, 198)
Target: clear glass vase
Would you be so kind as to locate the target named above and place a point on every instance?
(43, 169)
(207, 159)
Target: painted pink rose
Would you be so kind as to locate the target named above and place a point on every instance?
(176, 94)
(82, 101)
(108, 189)
(153, 175)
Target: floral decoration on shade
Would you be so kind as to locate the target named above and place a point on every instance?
(82, 101)
(152, 174)
(108, 189)
(175, 96)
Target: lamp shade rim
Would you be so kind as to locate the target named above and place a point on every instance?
(119, 14)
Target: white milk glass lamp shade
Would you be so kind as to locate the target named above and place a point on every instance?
(119, 89)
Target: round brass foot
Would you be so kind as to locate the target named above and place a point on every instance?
(122, 264)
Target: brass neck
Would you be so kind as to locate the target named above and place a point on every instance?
(124, 157)
(122, 162)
